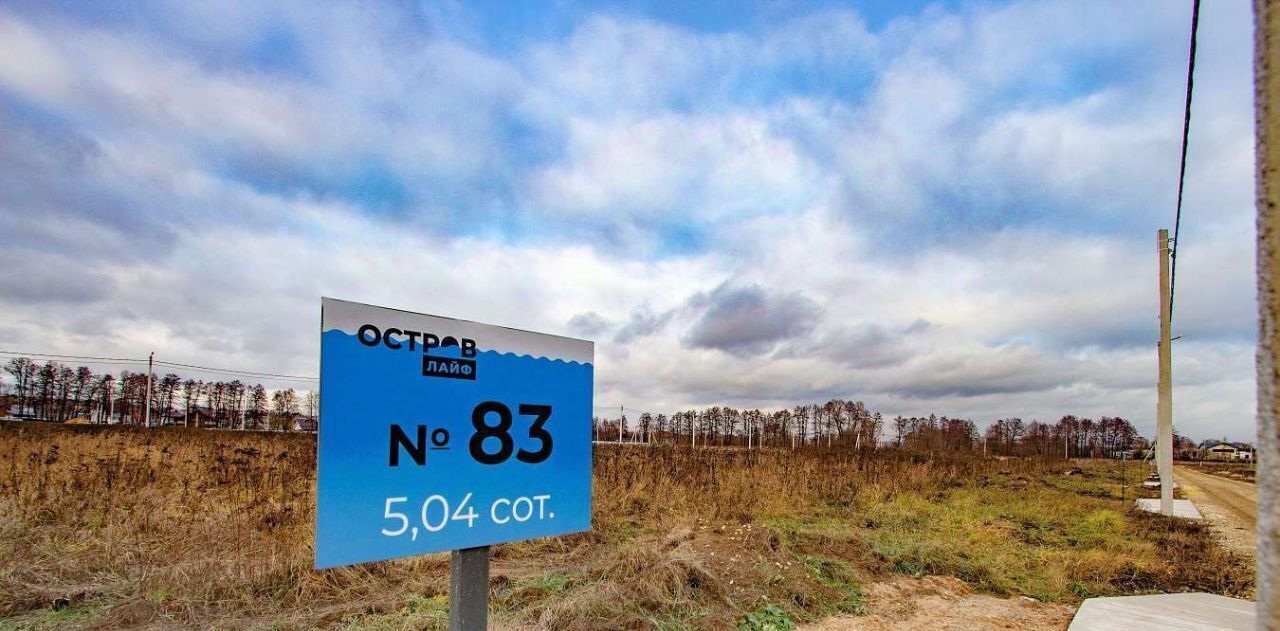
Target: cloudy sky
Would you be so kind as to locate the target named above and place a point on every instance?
(933, 207)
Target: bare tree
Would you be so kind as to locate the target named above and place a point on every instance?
(166, 395)
(285, 403)
(106, 390)
(257, 408)
(311, 405)
(82, 392)
(23, 371)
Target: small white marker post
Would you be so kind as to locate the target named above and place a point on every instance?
(151, 360)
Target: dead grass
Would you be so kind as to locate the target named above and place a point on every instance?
(119, 528)
(1241, 471)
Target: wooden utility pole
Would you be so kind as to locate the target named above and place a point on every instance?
(1164, 387)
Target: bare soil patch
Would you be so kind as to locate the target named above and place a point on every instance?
(946, 603)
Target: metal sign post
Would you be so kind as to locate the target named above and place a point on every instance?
(469, 589)
(447, 435)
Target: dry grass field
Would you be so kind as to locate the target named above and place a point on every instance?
(121, 528)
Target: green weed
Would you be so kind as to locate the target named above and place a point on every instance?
(767, 618)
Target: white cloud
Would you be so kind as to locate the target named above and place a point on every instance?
(30, 64)
(695, 167)
(610, 66)
(968, 233)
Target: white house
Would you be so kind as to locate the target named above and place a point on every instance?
(1226, 451)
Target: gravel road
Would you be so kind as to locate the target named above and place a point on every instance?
(1230, 505)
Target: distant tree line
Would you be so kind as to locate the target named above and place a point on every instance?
(934, 433)
(55, 392)
(1071, 437)
(837, 422)
(852, 424)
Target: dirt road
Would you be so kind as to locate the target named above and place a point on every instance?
(1230, 505)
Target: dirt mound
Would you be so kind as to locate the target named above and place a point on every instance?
(943, 602)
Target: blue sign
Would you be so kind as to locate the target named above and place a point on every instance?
(439, 434)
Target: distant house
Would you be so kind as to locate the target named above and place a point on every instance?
(292, 422)
(1132, 454)
(300, 423)
(1223, 451)
(196, 417)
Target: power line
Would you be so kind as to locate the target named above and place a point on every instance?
(623, 408)
(143, 362)
(1182, 168)
(247, 373)
(126, 360)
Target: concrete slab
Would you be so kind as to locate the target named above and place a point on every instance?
(1181, 508)
(1203, 612)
